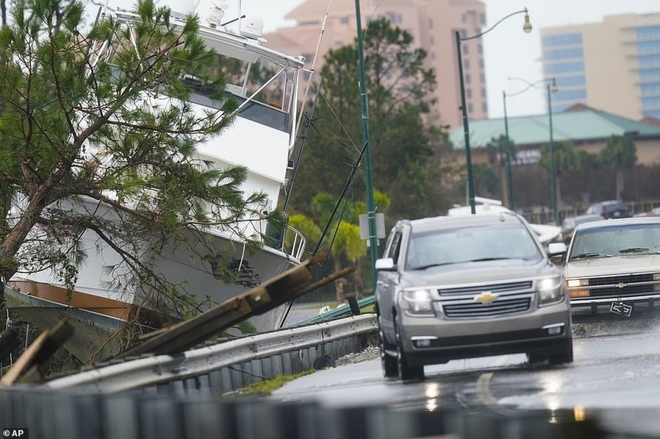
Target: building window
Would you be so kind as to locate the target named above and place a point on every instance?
(482, 77)
(480, 49)
(649, 61)
(432, 40)
(466, 64)
(470, 108)
(652, 88)
(344, 20)
(464, 18)
(484, 107)
(483, 92)
(572, 81)
(648, 33)
(468, 78)
(430, 23)
(563, 53)
(649, 75)
(481, 63)
(468, 92)
(466, 49)
(561, 40)
(432, 55)
(395, 18)
(570, 95)
(566, 67)
(482, 18)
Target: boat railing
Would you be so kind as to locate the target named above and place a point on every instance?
(293, 243)
(289, 241)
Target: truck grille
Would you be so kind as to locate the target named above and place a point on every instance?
(620, 286)
(496, 308)
(626, 279)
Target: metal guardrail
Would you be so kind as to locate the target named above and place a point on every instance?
(154, 370)
(342, 311)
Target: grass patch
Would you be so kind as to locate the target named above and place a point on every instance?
(266, 387)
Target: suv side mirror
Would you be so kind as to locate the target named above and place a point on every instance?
(386, 264)
(557, 252)
(557, 248)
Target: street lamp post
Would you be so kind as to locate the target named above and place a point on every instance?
(551, 86)
(509, 171)
(527, 27)
(371, 204)
(553, 157)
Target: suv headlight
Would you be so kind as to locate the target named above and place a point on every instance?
(550, 290)
(418, 302)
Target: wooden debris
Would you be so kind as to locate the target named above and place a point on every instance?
(269, 295)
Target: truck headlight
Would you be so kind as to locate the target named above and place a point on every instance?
(418, 302)
(572, 283)
(550, 290)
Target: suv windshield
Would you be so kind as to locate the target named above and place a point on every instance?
(470, 244)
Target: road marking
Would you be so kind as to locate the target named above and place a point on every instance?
(483, 387)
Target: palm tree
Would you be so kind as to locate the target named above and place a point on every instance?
(619, 153)
(566, 160)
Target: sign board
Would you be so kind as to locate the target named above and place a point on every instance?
(380, 226)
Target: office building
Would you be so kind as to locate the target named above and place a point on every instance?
(432, 24)
(613, 65)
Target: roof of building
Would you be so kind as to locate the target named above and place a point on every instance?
(315, 9)
(575, 125)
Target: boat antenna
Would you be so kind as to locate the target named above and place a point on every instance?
(232, 20)
(311, 70)
(308, 124)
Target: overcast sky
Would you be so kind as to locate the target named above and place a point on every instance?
(508, 51)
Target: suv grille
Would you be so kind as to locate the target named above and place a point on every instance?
(495, 288)
(496, 308)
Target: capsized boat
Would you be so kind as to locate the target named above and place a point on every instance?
(261, 139)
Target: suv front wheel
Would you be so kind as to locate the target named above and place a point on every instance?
(564, 356)
(406, 372)
(388, 362)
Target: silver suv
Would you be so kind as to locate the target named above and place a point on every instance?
(469, 286)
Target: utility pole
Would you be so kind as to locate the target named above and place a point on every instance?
(371, 205)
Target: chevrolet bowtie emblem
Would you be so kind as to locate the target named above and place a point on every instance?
(620, 285)
(486, 297)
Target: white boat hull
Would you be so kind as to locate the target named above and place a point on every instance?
(260, 139)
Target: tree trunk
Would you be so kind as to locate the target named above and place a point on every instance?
(619, 184)
(340, 283)
(558, 184)
(359, 285)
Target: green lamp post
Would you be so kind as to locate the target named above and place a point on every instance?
(527, 27)
(371, 204)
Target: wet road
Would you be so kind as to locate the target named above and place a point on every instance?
(615, 377)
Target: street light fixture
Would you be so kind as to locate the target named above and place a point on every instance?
(509, 171)
(551, 87)
(527, 27)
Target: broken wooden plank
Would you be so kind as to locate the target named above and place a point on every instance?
(58, 336)
(41, 349)
(25, 360)
(265, 297)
